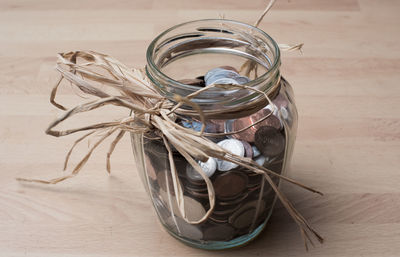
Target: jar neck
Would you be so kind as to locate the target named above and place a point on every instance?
(187, 46)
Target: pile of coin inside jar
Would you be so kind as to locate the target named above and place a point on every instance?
(242, 203)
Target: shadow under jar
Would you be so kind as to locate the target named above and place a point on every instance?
(244, 200)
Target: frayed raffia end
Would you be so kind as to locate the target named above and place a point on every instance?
(152, 112)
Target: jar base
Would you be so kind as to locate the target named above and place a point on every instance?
(220, 245)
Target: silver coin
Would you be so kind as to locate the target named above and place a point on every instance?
(284, 113)
(256, 152)
(234, 146)
(223, 74)
(242, 80)
(209, 167)
(273, 108)
(260, 160)
(223, 81)
(195, 125)
(220, 73)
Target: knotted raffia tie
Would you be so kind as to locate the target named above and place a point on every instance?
(96, 74)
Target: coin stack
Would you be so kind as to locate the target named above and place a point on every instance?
(243, 198)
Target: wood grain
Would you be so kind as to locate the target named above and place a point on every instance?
(347, 91)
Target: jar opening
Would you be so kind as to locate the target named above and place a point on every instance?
(189, 50)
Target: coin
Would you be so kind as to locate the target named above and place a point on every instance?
(195, 188)
(195, 125)
(244, 217)
(248, 134)
(260, 160)
(233, 146)
(215, 126)
(247, 149)
(235, 201)
(218, 219)
(224, 81)
(242, 80)
(194, 210)
(209, 167)
(269, 141)
(256, 152)
(219, 232)
(255, 182)
(230, 184)
(187, 230)
(225, 209)
(218, 73)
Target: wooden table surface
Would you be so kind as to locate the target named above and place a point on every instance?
(347, 90)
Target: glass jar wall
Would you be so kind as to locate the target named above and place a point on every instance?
(181, 61)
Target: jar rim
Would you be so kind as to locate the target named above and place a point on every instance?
(264, 76)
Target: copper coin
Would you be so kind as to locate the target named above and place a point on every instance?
(196, 188)
(194, 210)
(239, 199)
(248, 134)
(269, 141)
(230, 184)
(219, 232)
(244, 217)
(185, 229)
(255, 182)
(272, 120)
(248, 150)
(218, 219)
(199, 195)
(225, 210)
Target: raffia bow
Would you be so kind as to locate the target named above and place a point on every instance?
(95, 73)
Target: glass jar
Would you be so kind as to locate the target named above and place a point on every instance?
(244, 201)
